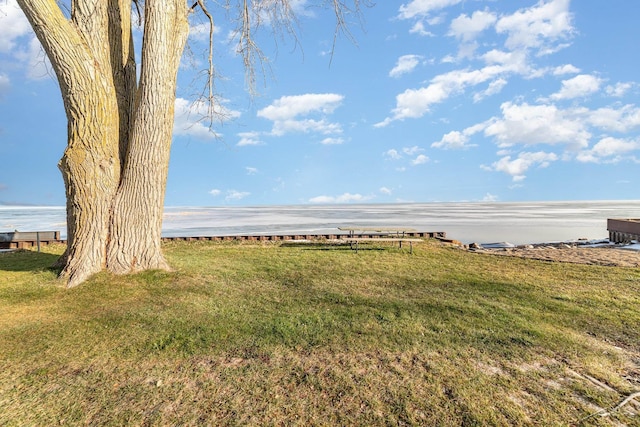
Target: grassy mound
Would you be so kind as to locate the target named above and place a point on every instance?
(270, 334)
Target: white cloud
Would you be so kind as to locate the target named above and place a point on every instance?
(249, 139)
(420, 160)
(436, 20)
(301, 8)
(512, 62)
(405, 64)
(393, 154)
(565, 69)
(410, 151)
(332, 141)
(418, 28)
(538, 124)
(500, 64)
(231, 195)
(457, 80)
(283, 127)
(322, 199)
(494, 88)
(250, 170)
(609, 149)
(518, 166)
(623, 119)
(551, 49)
(200, 31)
(18, 39)
(619, 89)
(344, 198)
(453, 140)
(448, 59)
(573, 128)
(540, 28)
(467, 50)
(5, 85)
(188, 119)
(490, 198)
(14, 25)
(414, 151)
(414, 103)
(579, 86)
(537, 26)
(467, 28)
(285, 113)
(386, 191)
(190, 116)
(289, 107)
(236, 195)
(419, 8)
(38, 65)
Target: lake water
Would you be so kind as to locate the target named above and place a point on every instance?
(517, 223)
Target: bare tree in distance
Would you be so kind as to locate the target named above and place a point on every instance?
(120, 126)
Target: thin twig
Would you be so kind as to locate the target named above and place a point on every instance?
(625, 401)
(135, 2)
(605, 413)
(211, 71)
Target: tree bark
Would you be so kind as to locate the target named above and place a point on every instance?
(90, 165)
(136, 226)
(116, 162)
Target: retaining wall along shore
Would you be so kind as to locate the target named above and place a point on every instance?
(30, 239)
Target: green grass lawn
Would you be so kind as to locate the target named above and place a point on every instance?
(270, 334)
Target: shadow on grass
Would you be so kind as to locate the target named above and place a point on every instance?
(24, 260)
(319, 246)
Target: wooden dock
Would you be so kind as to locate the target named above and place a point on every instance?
(28, 239)
(288, 237)
(25, 240)
(623, 230)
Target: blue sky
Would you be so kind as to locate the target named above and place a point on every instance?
(437, 101)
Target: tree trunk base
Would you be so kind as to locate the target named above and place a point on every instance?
(127, 264)
(74, 275)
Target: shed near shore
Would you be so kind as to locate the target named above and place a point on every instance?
(623, 230)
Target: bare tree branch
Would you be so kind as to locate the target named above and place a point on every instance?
(341, 10)
(211, 68)
(137, 4)
(251, 16)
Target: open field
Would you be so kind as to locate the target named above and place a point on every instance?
(270, 334)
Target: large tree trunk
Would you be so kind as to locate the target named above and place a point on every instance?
(90, 168)
(119, 133)
(90, 165)
(136, 226)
